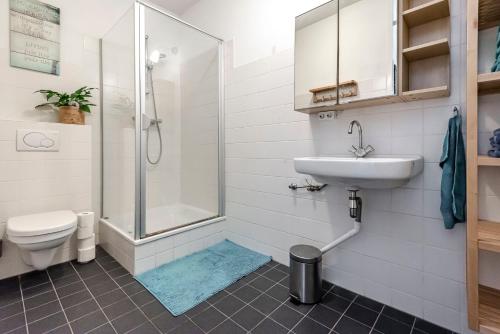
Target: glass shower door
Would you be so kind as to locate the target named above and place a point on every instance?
(180, 110)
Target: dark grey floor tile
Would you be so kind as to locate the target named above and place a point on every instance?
(262, 283)
(88, 322)
(97, 279)
(76, 298)
(103, 329)
(81, 310)
(228, 327)
(9, 284)
(282, 268)
(61, 270)
(64, 329)
(119, 308)
(235, 286)
(70, 289)
(10, 297)
(187, 328)
(153, 309)
(275, 275)
(208, 319)
(10, 310)
(101, 289)
(12, 322)
(111, 297)
(299, 307)
(247, 293)
(111, 265)
(60, 282)
(142, 298)
(324, 315)
(265, 304)
(263, 269)
(34, 278)
(46, 324)
(20, 330)
(88, 269)
(285, 281)
(133, 288)
(197, 309)
(268, 326)
(325, 285)
(309, 326)
(362, 314)
(398, 315)
(349, 326)
(218, 296)
(128, 321)
(166, 322)
(100, 252)
(229, 305)
(335, 302)
(43, 311)
(37, 290)
(145, 328)
(349, 295)
(38, 300)
(124, 280)
(248, 317)
(249, 278)
(286, 316)
(388, 325)
(369, 303)
(430, 328)
(279, 292)
(118, 272)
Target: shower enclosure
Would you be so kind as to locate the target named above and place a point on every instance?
(162, 117)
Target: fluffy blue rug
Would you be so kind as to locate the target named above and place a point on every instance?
(184, 283)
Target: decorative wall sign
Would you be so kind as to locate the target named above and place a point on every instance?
(34, 36)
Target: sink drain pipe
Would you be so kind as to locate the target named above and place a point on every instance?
(355, 207)
(306, 261)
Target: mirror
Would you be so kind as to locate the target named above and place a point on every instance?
(346, 44)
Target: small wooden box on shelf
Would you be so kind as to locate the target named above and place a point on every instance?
(424, 55)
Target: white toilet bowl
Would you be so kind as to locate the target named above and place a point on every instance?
(38, 236)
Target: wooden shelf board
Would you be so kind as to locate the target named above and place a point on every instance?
(484, 160)
(489, 14)
(427, 93)
(428, 50)
(489, 309)
(488, 235)
(430, 11)
(488, 83)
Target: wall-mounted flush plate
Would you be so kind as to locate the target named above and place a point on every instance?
(37, 140)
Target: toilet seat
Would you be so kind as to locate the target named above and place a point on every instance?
(41, 225)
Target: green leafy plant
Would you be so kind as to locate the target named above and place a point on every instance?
(79, 98)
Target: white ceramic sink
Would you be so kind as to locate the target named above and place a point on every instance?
(379, 172)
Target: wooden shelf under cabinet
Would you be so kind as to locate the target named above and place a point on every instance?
(430, 11)
(488, 236)
(488, 83)
(489, 14)
(484, 160)
(428, 50)
(426, 93)
(489, 310)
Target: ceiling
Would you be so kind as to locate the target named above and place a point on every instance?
(175, 6)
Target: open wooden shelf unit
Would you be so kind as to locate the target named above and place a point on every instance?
(483, 302)
(424, 60)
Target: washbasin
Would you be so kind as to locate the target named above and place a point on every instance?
(377, 172)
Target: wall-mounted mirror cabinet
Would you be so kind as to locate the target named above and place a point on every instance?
(346, 51)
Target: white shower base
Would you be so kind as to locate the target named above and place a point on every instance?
(169, 217)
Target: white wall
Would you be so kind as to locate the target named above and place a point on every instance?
(403, 256)
(82, 23)
(32, 182)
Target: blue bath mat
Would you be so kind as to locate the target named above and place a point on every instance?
(184, 283)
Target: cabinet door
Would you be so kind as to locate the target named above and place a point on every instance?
(367, 49)
(316, 56)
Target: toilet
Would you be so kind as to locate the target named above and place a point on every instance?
(39, 235)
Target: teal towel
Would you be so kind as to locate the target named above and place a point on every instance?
(453, 182)
(496, 64)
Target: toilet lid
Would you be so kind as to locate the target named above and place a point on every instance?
(41, 223)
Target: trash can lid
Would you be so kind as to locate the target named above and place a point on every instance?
(305, 254)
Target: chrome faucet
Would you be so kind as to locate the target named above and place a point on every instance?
(359, 151)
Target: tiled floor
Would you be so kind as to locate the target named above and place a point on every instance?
(101, 297)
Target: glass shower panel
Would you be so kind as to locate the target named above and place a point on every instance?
(118, 126)
(181, 117)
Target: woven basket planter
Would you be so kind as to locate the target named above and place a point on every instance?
(71, 115)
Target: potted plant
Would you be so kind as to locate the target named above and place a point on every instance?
(72, 107)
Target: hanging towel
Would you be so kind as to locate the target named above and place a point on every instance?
(496, 64)
(453, 182)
